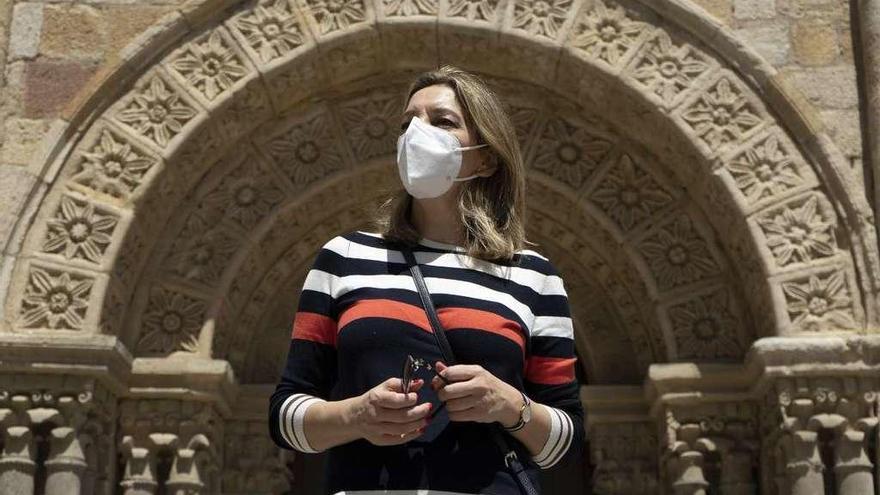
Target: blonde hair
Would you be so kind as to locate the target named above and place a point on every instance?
(492, 209)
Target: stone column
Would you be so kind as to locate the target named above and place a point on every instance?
(803, 466)
(17, 464)
(686, 465)
(187, 471)
(66, 463)
(852, 467)
(140, 467)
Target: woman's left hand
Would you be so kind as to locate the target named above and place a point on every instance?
(474, 394)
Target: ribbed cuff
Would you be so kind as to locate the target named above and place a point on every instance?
(293, 410)
(561, 432)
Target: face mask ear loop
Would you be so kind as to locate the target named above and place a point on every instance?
(472, 147)
(459, 179)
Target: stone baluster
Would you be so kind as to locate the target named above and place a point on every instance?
(686, 465)
(803, 466)
(852, 466)
(139, 477)
(188, 469)
(66, 463)
(17, 464)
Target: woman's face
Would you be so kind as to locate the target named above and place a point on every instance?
(437, 105)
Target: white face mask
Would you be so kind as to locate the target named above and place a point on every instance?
(429, 159)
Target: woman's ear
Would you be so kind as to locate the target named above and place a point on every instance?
(489, 165)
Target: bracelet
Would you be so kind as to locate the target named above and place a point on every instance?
(521, 423)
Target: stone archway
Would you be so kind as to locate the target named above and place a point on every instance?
(690, 206)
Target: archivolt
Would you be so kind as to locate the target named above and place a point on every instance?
(166, 198)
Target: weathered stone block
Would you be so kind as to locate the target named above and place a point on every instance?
(49, 85)
(815, 42)
(27, 22)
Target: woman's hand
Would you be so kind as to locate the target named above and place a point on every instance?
(477, 395)
(384, 415)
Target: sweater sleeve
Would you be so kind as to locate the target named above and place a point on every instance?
(550, 373)
(310, 371)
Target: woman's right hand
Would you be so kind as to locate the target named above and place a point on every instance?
(384, 415)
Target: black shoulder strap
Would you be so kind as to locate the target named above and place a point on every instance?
(511, 460)
(439, 333)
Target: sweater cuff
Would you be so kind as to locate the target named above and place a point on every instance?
(561, 432)
(293, 411)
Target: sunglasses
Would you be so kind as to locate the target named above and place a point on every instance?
(410, 366)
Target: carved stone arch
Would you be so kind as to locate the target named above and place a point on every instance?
(128, 161)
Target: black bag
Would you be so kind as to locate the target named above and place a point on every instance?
(511, 460)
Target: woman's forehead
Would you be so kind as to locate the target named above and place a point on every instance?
(433, 99)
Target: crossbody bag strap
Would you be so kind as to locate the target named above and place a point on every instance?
(428, 304)
(511, 460)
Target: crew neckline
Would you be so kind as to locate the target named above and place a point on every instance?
(424, 241)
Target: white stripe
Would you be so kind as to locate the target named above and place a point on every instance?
(437, 286)
(283, 423)
(552, 439)
(557, 326)
(292, 424)
(553, 326)
(567, 434)
(532, 279)
(299, 419)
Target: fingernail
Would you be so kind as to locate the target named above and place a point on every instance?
(430, 406)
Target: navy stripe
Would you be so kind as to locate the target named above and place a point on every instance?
(440, 301)
(313, 301)
(521, 260)
(557, 347)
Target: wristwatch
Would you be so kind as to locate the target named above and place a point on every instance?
(525, 414)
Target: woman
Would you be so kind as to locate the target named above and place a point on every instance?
(504, 308)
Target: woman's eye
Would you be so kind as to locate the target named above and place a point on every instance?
(443, 122)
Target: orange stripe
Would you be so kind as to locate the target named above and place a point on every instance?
(385, 308)
(550, 370)
(454, 318)
(315, 327)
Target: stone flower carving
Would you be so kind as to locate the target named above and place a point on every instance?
(704, 328)
(482, 10)
(78, 231)
(678, 255)
(246, 196)
(210, 66)
(629, 195)
(112, 166)
(372, 125)
(410, 7)
(543, 17)
(270, 29)
(819, 301)
(203, 252)
(55, 299)
(568, 153)
(799, 234)
(607, 34)
(333, 15)
(668, 70)
(157, 113)
(764, 170)
(307, 152)
(171, 323)
(721, 115)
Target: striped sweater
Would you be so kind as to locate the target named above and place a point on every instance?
(358, 317)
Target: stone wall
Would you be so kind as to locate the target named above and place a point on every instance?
(52, 51)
